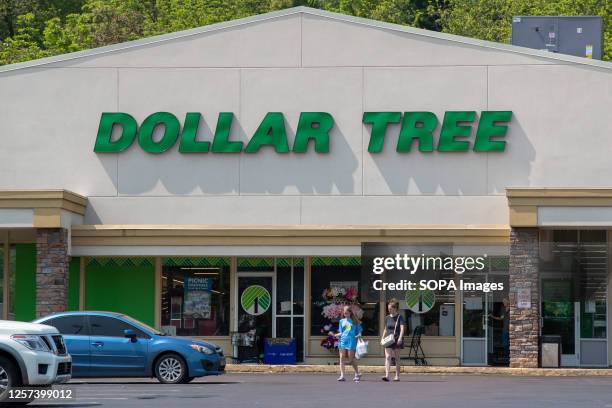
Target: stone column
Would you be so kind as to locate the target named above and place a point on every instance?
(52, 262)
(524, 273)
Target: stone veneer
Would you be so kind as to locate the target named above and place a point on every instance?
(524, 323)
(52, 262)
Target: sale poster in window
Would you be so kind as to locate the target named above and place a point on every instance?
(197, 298)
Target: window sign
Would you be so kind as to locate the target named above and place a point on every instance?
(195, 296)
(474, 303)
(255, 300)
(523, 297)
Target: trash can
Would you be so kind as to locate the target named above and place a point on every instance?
(280, 351)
(550, 351)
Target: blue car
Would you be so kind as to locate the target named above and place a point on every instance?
(106, 344)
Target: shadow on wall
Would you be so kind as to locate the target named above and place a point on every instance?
(336, 172)
(174, 173)
(265, 172)
(513, 167)
(451, 173)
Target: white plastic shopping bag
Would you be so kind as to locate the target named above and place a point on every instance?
(362, 348)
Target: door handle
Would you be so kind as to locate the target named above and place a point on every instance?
(97, 344)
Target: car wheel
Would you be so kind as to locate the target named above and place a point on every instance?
(9, 378)
(170, 369)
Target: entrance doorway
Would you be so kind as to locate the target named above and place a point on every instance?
(269, 303)
(574, 275)
(485, 336)
(581, 323)
(560, 315)
(255, 313)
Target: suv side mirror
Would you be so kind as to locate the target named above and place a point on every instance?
(130, 334)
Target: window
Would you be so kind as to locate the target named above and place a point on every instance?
(434, 309)
(196, 296)
(574, 272)
(70, 325)
(335, 282)
(439, 320)
(111, 327)
(290, 301)
(2, 288)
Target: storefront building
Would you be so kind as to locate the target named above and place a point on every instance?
(225, 178)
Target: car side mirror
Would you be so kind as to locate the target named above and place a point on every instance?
(130, 334)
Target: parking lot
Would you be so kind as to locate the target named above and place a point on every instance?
(317, 390)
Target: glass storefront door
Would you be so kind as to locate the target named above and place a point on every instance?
(269, 302)
(256, 313)
(560, 315)
(574, 270)
(256, 303)
(474, 324)
(485, 323)
(498, 323)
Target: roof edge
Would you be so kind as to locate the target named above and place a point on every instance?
(459, 39)
(309, 11)
(152, 40)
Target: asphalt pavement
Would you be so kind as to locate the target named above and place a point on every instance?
(322, 390)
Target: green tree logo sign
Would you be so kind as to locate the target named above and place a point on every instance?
(255, 300)
(420, 301)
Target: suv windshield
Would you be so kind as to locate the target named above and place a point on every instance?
(143, 325)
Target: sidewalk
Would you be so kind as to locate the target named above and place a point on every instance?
(534, 372)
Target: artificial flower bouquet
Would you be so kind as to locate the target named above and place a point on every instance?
(337, 298)
(340, 295)
(330, 342)
(333, 311)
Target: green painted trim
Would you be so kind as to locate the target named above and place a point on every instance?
(196, 261)
(283, 262)
(25, 282)
(256, 262)
(114, 262)
(336, 261)
(74, 283)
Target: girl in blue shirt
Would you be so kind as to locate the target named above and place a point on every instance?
(349, 330)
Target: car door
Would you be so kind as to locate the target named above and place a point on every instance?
(75, 330)
(113, 354)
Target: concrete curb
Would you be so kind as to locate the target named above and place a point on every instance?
(528, 372)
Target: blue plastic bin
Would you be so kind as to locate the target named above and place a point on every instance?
(280, 351)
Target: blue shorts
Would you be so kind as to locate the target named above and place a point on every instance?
(347, 344)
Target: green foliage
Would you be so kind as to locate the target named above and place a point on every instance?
(31, 29)
(492, 19)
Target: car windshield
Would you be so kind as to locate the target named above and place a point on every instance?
(143, 325)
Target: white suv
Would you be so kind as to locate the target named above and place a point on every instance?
(31, 355)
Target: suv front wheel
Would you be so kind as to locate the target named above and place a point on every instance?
(9, 378)
(170, 369)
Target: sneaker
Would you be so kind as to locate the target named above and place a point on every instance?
(385, 379)
(396, 379)
(357, 377)
(341, 378)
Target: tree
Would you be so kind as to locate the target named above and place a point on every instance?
(42, 10)
(23, 44)
(37, 28)
(492, 19)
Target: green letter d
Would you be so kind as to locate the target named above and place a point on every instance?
(104, 144)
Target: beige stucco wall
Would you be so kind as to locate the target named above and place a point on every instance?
(559, 135)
